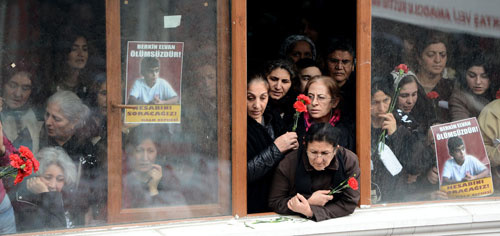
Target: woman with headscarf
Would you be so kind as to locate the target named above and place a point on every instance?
(296, 47)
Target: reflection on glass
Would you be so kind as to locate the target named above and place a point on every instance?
(451, 78)
(186, 143)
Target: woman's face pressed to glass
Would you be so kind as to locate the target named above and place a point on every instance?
(144, 155)
(53, 178)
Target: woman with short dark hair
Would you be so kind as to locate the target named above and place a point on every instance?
(304, 179)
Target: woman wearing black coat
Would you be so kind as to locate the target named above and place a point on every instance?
(42, 201)
(266, 145)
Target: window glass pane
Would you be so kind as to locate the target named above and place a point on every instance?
(53, 74)
(170, 76)
(448, 47)
(54, 101)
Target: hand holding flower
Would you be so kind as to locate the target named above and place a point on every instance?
(320, 198)
(389, 123)
(287, 141)
(348, 183)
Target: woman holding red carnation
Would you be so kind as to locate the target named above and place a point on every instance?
(41, 201)
(304, 179)
(324, 108)
(266, 144)
(8, 224)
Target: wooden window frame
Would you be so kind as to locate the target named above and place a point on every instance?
(238, 69)
(116, 214)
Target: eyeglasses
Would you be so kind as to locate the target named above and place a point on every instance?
(321, 98)
(316, 154)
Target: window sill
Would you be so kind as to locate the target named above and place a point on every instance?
(463, 218)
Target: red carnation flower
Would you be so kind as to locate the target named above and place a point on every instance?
(353, 183)
(25, 152)
(16, 161)
(305, 99)
(402, 67)
(299, 106)
(432, 95)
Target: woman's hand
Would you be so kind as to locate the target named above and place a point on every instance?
(412, 178)
(155, 175)
(287, 141)
(36, 186)
(389, 123)
(320, 198)
(300, 205)
(439, 195)
(432, 175)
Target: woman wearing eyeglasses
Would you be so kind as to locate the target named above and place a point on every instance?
(324, 108)
(303, 180)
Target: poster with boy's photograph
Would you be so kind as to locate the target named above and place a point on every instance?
(463, 165)
(153, 82)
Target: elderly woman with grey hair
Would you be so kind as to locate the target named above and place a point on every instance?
(68, 125)
(39, 201)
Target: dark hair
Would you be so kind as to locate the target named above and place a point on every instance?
(384, 84)
(340, 44)
(475, 58)
(281, 64)
(323, 132)
(427, 39)
(257, 78)
(14, 68)
(454, 143)
(148, 63)
(305, 63)
(141, 133)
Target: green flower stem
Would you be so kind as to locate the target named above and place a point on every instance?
(296, 120)
(7, 171)
(381, 138)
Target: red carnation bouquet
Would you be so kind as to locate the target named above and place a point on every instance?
(348, 183)
(300, 106)
(22, 164)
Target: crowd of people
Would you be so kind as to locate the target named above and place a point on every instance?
(432, 92)
(63, 120)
